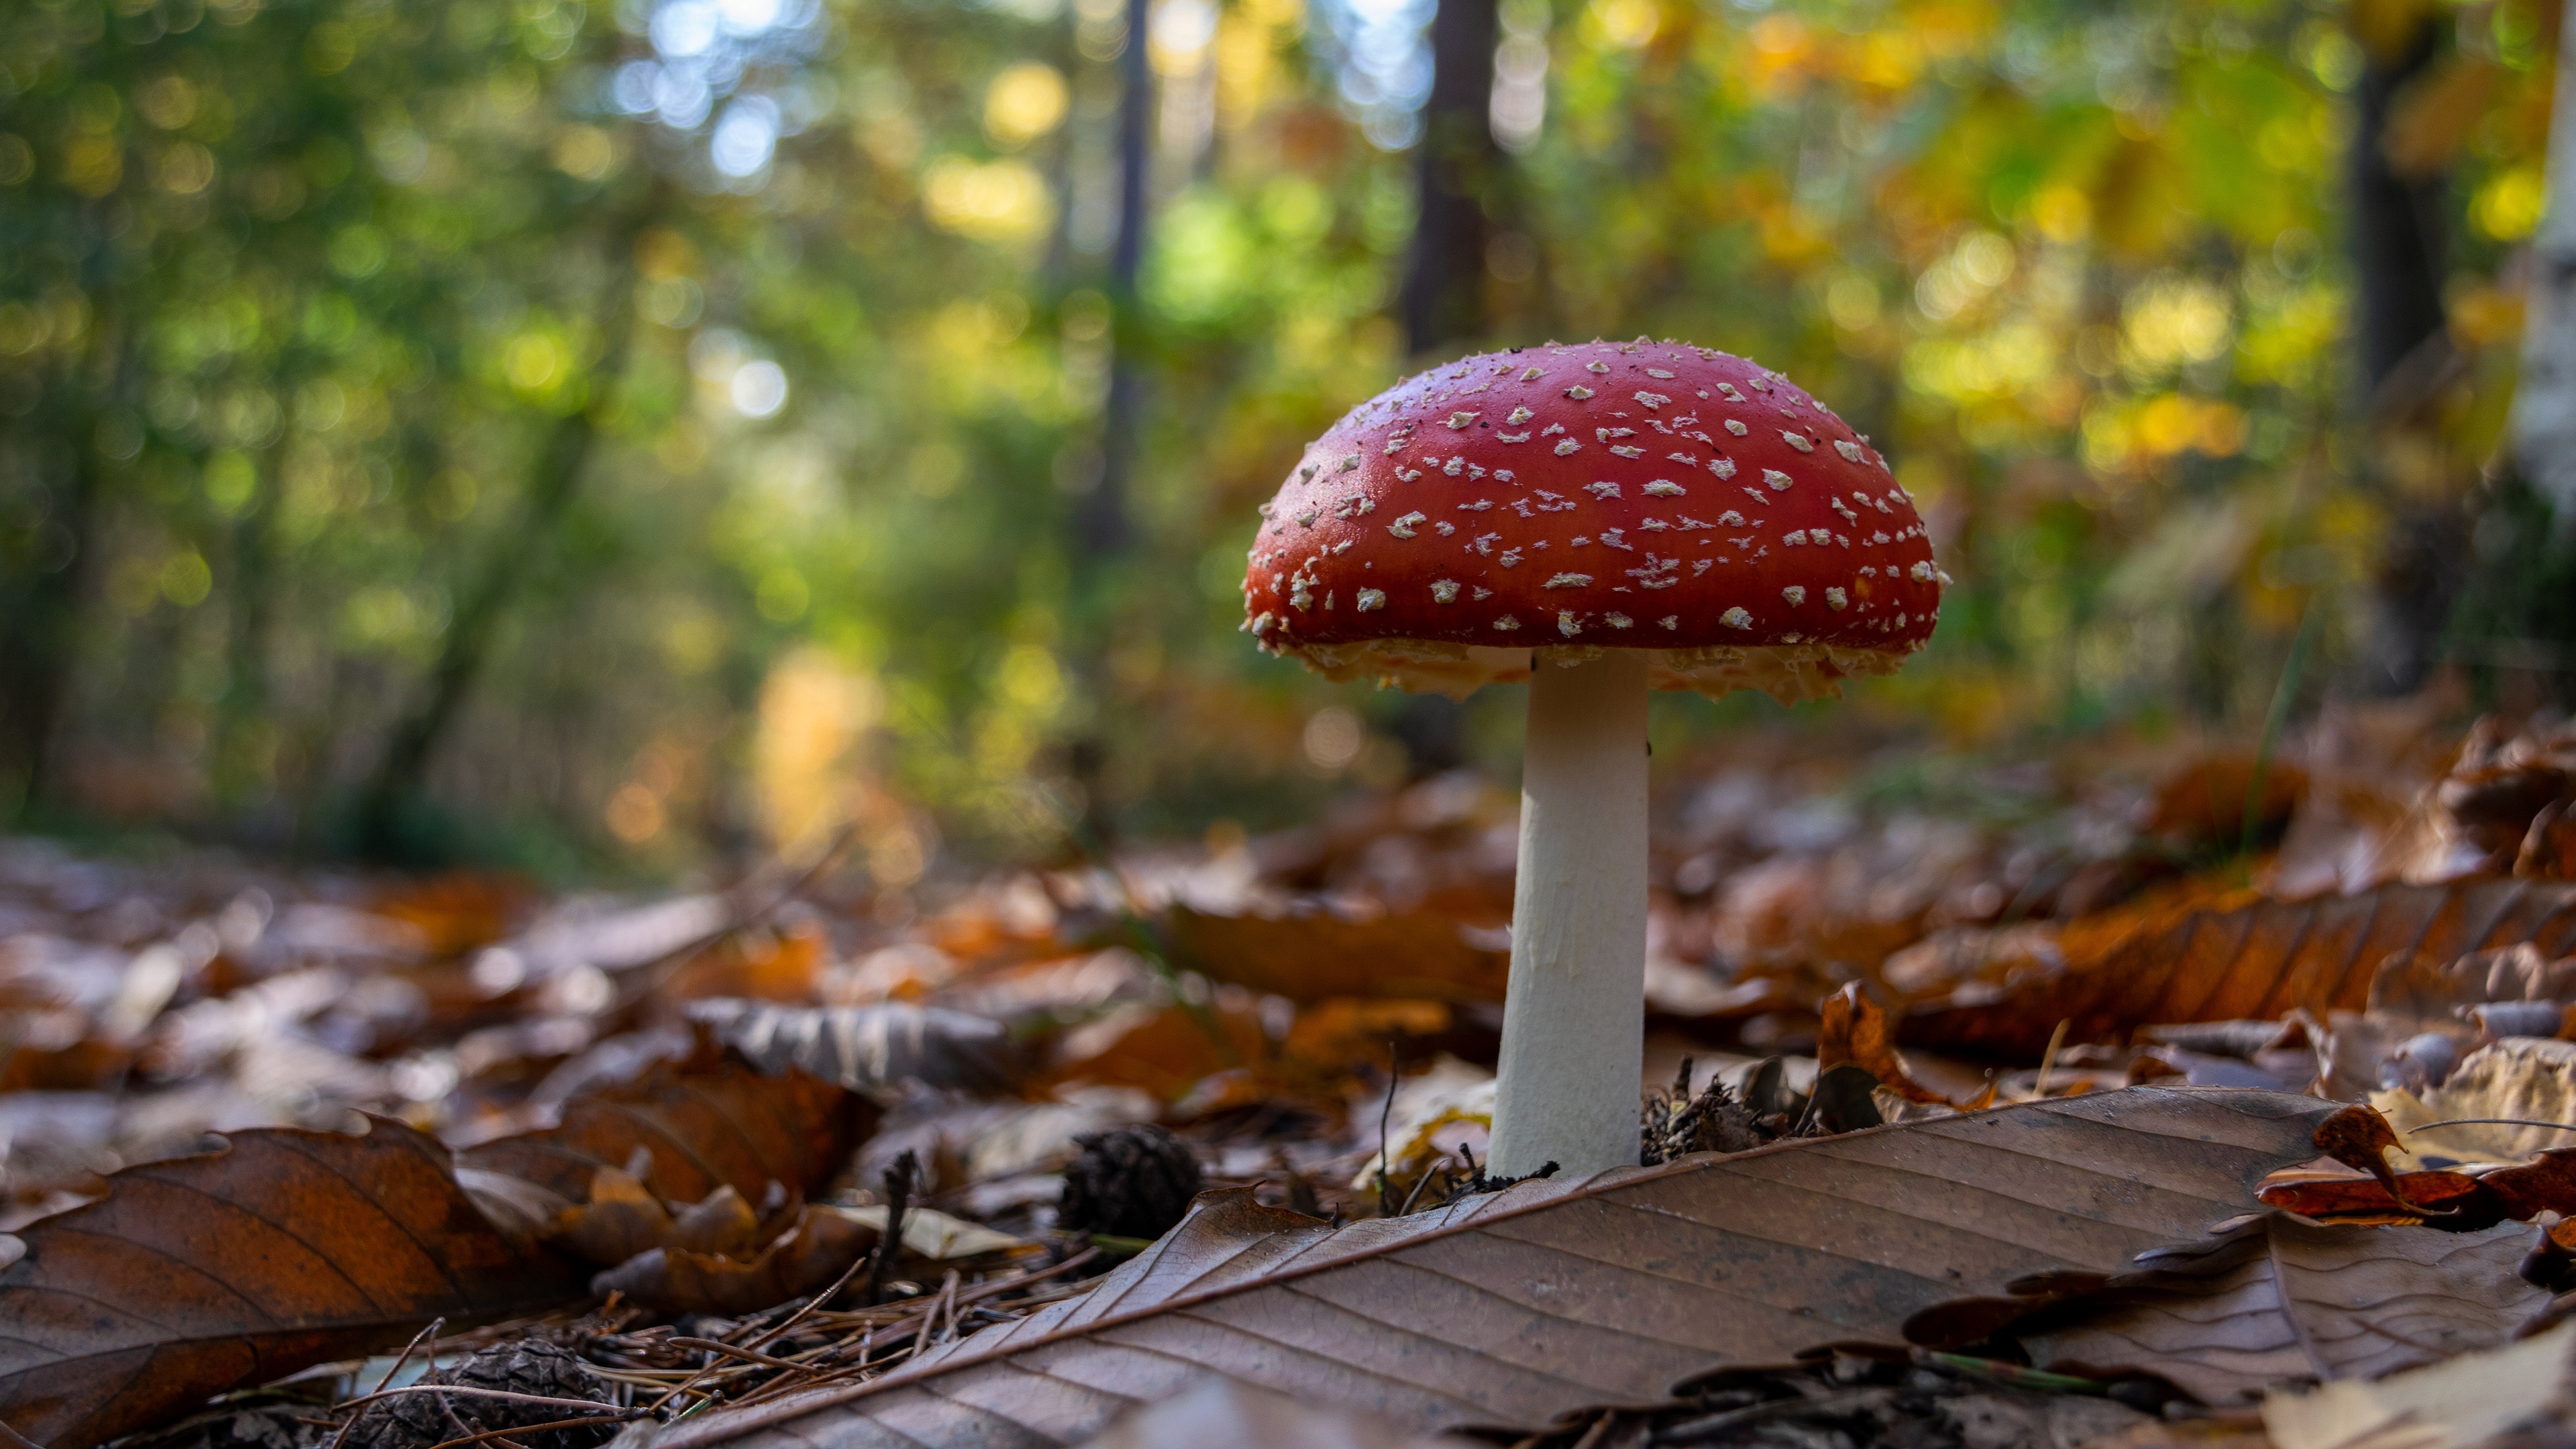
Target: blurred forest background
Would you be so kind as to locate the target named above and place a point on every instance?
(630, 437)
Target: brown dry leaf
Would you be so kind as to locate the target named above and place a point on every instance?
(1514, 1307)
(867, 1046)
(1164, 1051)
(819, 1248)
(2228, 958)
(2517, 1394)
(1222, 1412)
(2283, 1302)
(1308, 956)
(2549, 848)
(2532, 1079)
(726, 1127)
(201, 1274)
(1854, 1029)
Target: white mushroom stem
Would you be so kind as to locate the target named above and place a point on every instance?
(1575, 1016)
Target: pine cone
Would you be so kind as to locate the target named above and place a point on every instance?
(524, 1366)
(1130, 1182)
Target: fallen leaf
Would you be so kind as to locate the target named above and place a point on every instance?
(2475, 1399)
(1854, 1030)
(2530, 1078)
(863, 1047)
(1222, 1412)
(2281, 1302)
(283, 1248)
(726, 1127)
(2548, 849)
(1312, 954)
(2202, 806)
(2225, 959)
(1513, 1307)
(1161, 1050)
(819, 1248)
(930, 1233)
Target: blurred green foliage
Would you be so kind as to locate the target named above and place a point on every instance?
(388, 377)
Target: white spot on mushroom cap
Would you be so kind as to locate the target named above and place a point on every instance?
(1372, 599)
(1565, 446)
(1568, 581)
(1666, 488)
(1849, 449)
(1566, 623)
(1778, 480)
(1507, 622)
(1795, 594)
(1736, 618)
(1403, 527)
(1444, 591)
(1670, 621)
(1736, 426)
(1836, 599)
(1798, 441)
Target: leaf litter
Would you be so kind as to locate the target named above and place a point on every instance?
(679, 1120)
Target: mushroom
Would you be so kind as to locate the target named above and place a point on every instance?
(1599, 520)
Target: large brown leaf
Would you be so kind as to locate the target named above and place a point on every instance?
(2226, 960)
(725, 1127)
(2287, 1302)
(282, 1248)
(1515, 1307)
(1311, 954)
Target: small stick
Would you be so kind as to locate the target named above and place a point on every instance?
(1385, 1169)
(472, 1392)
(2048, 1060)
(715, 1346)
(819, 1299)
(351, 1422)
(622, 1416)
(435, 1325)
(899, 1182)
(2494, 1122)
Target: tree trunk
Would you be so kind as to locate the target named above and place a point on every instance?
(1101, 524)
(40, 626)
(2399, 227)
(387, 824)
(2398, 222)
(1444, 283)
(2544, 402)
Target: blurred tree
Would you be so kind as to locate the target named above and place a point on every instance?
(514, 429)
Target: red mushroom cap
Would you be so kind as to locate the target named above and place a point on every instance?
(1645, 495)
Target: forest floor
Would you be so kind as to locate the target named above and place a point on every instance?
(694, 1165)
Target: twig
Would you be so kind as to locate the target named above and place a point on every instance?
(899, 1182)
(351, 1422)
(622, 1416)
(819, 1299)
(435, 1325)
(2493, 1122)
(711, 1345)
(1386, 1109)
(2048, 1061)
(472, 1392)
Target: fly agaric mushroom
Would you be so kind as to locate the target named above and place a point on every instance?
(1600, 520)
